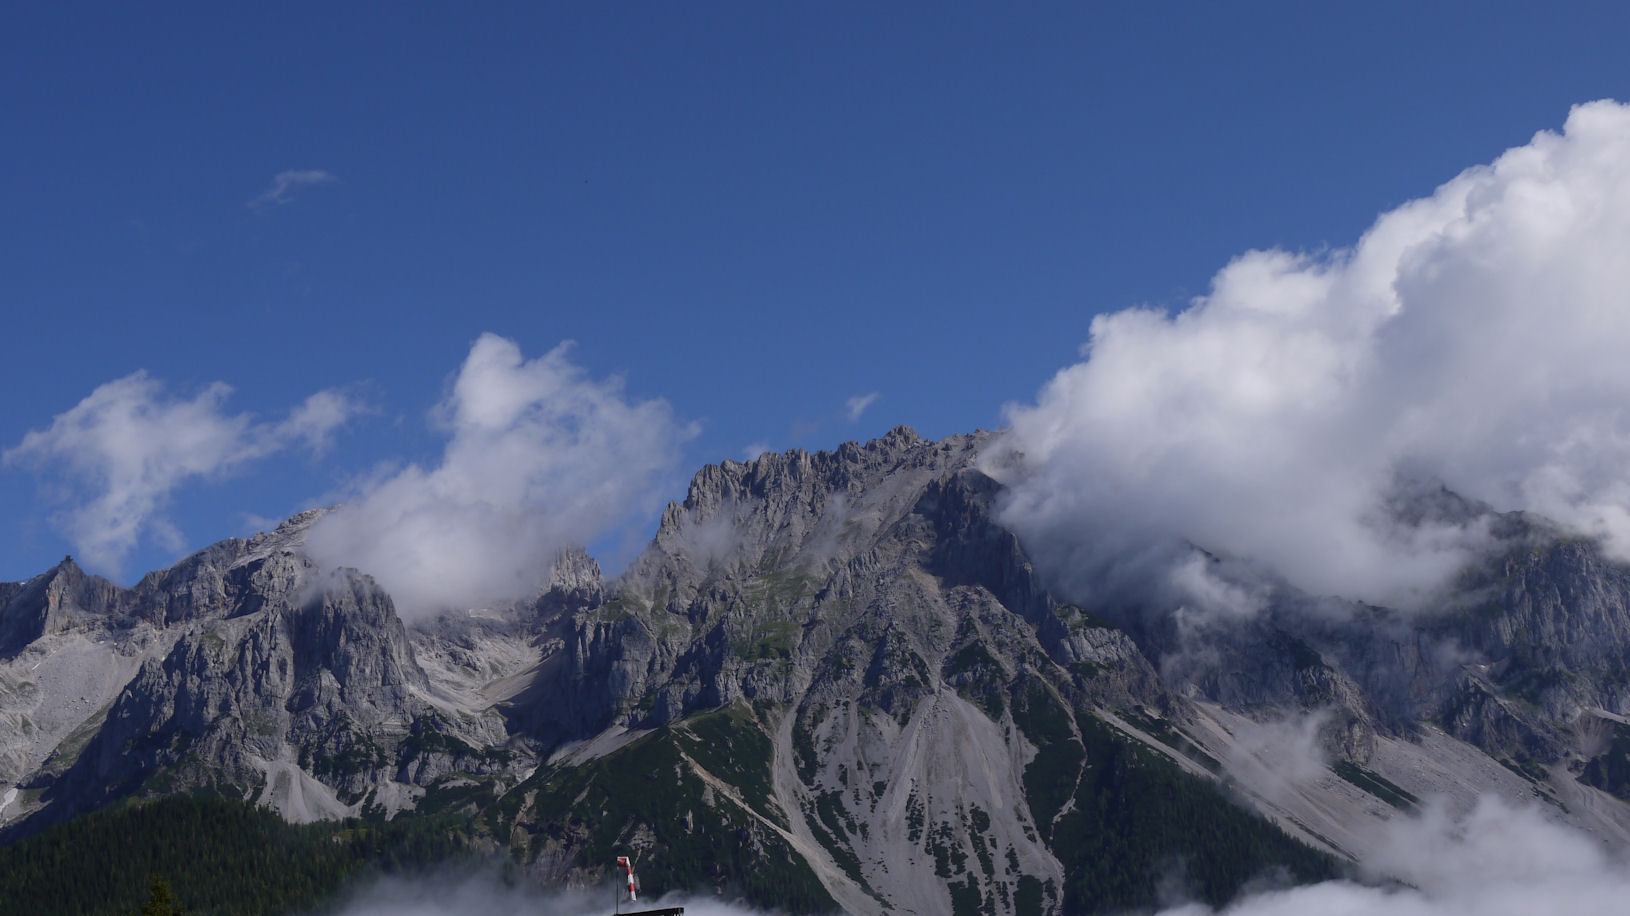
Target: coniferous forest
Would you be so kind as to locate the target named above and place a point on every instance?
(218, 856)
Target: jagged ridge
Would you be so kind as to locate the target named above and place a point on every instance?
(906, 702)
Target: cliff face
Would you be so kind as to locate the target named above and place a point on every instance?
(775, 571)
(836, 663)
(867, 600)
(51, 603)
(243, 667)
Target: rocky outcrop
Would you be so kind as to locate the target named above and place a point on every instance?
(870, 593)
(758, 586)
(53, 602)
(254, 663)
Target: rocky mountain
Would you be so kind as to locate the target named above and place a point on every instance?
(832, 681)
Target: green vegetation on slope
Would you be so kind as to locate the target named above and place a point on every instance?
(695, 802)
(221, 856)
(1138, 819)
(1377, 785)
(694, 836)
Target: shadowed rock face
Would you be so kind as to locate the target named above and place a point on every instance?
(1510, 660)
(1552, 604)
(770, 567)
(867, 603)
(50, 603)
(889, 672)
(248, 655)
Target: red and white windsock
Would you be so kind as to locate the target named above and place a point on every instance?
(626, 863)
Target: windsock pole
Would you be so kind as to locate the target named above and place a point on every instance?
(627, 863)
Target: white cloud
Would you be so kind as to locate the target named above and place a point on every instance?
(122, 451)
(285, 182)
(1476, 336)
(539, 457)
(1496, 861)
(1274, 759)
(754, 450)
(453, 893)
(706, 541)
(315, 420)
(857, 405)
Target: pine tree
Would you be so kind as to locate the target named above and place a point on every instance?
(160, 901)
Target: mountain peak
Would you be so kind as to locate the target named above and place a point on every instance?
(901, 435)
(51, 601)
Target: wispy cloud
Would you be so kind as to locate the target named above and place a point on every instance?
(857, 405)
(1275, 758)
(117, 455)
(754, 450)
(539, 457)
(286, 182)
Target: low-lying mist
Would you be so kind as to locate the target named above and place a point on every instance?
(1497, 860)
(455, 893)
(1494, 860)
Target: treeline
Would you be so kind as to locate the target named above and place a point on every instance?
(699, 845)
(1139, 822)
(1140, 828)
(221, 857)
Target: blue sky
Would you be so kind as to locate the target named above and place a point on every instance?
(756, 212)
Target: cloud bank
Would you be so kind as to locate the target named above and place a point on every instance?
(121, 452)
(477, 894)
(539, 457)
(1497, 861)
(284, 184)
(1475, 337)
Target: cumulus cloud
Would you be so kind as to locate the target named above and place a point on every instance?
(1497, 860)
(285, 183)
(539, 457)
(121, 452)
(857, 405)
(1474, 337)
